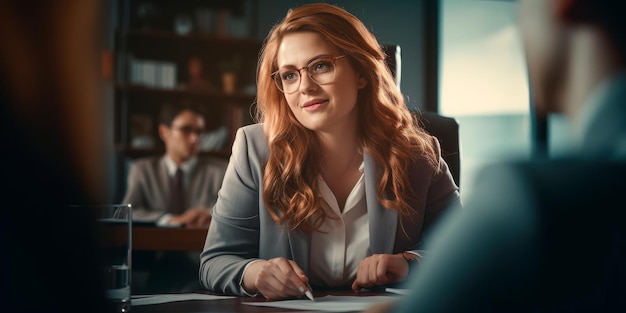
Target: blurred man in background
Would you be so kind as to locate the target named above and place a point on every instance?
(153, 180)
(176, 188)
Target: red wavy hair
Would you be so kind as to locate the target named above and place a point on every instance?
(388, 130)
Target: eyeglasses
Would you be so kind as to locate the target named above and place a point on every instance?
(321, 71)
(188, 130)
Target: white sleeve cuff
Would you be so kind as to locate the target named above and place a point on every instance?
(164, 219)
(243, 290)
(419, 253)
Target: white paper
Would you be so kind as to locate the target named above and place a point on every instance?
(164, 298)
(328, 303)
(398, 291)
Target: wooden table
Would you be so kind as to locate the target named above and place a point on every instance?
(234, 305)
(168, 238)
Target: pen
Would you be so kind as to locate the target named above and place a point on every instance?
(308, 292)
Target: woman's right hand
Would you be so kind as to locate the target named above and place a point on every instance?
(275, 279)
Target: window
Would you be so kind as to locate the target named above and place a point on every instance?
(484, 83)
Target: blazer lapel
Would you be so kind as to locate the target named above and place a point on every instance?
(382, 222)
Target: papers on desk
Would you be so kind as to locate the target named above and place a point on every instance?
(398, 291)
(328, 303)
(139, 222)
(137, 300)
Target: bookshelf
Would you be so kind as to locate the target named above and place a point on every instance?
(158, 60)
(170, 50)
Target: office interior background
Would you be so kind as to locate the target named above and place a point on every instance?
(460, 58)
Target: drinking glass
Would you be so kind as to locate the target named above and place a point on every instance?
(114, 229)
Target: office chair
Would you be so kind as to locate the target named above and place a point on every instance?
(446, 129)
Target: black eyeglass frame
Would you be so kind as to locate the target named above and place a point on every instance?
(188, 130)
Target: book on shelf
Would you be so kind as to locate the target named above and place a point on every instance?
(151, 73)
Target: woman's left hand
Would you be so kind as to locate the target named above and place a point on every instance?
(380, 269)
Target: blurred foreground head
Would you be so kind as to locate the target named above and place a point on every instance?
(52, 125)
(571, 46)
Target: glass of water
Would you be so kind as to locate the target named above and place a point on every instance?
(114, 227)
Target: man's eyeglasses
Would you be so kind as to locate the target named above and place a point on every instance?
(188, 130)
(321, 71)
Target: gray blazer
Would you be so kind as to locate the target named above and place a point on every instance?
(242, 229)
(148, 185)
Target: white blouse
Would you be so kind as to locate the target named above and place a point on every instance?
(338, 249)
(335, 254)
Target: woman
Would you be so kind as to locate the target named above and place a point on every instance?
(337, 183)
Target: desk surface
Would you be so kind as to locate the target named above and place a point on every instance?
(168, 238)
(232, 305)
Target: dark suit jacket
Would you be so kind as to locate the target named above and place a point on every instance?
(538, 236)
(242, 229)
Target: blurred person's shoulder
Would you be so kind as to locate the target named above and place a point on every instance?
(146, 163)
(563, 185)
